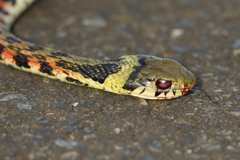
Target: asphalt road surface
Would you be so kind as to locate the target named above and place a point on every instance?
(41, 118)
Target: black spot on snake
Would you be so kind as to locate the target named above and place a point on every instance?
(10, 39)
(174, 92)
(113, 60)
(21, 60)
(67, 65)
(38, 56)
(127, 86)
(36, 48)
(143, 82)
(150, 79)
(1, 50)
(142, 91)
(78, 82)
(157, 93)
(133, 76)
(56, 57)
(69, 79)
(66, 72)
(131, 86)
(3, 11)
(141, 59)
(98, 72)
(46, 68)
(59, 54)
(14, 48)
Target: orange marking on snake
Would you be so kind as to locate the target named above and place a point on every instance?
(34, 63)
(2, 4)
(7, 53)
(26, 52)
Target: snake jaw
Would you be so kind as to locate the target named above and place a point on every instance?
(189, 82)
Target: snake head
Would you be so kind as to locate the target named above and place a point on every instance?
(159, 78)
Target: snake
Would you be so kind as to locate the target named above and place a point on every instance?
(142, 76)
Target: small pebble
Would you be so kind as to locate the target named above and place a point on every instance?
(218, 90)
(117, 130)
(73, 122)
(43, 122)
(197, 100)
(26, 106)
(62, 34)
(236, 44)
(43, 129)
(207, 74)
(94, 21)
(230, 148)
(123, 30)
(143, 102)
(148, 157)
(156, 146)
(66, 144)
(176, 33)
(212, 147)
(75, 104)
(11, 97)
(38, 136)
(235, 113)
(89, 136)
(72, 155)
(126, 152)
(236, 52)
(3, 115)
(178, 48)
(190, 114)
(61, 105)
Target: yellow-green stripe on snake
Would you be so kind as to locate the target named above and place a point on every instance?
(142, 76)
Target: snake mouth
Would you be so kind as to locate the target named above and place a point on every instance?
(185, 90)
(189, 87)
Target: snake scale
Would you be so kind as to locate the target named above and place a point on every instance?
(142, 76)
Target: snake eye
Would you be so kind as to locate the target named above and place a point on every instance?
(163, 84)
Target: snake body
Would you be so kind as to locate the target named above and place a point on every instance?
(142, 76)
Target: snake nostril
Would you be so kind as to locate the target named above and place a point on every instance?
(163, 84)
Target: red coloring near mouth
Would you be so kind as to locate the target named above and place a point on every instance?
(185, 90)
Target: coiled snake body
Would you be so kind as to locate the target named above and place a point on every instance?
(142, 76)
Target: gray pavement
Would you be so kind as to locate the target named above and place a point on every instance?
(42, 118)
